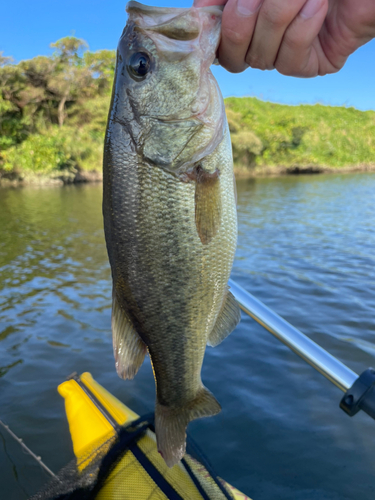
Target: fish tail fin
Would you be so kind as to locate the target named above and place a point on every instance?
(171, 423)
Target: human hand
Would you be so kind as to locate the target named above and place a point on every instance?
(302, 38)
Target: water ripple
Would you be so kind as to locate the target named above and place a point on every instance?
(305, 248)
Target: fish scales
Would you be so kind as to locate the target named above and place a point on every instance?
(171, 229)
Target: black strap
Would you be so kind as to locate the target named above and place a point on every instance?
(155, 475)
(195, 480)
(125, 439)
(204, 461)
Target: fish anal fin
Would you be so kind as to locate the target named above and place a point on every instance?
(227, 320)
(128, 348)
(207, 204)
(171, 423)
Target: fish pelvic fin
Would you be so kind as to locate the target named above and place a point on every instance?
(171, 423)
(128, 348)
(228, 319)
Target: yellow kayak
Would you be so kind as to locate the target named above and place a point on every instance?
(100, 425)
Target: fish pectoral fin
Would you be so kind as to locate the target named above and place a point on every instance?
(171, 423)
(128, 348)
(207, 204)
(228, 319)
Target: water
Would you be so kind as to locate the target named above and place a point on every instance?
(306, 249)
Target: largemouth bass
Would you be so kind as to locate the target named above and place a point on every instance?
(169, 210)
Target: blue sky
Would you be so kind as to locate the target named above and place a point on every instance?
(27, 29)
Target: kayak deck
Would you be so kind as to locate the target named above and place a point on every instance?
(95, 417)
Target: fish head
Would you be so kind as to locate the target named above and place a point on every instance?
(165, 94)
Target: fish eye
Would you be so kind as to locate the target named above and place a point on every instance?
(139, 65)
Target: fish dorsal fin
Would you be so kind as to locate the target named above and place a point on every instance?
(207, 204)
(128, 348)
(228, 319)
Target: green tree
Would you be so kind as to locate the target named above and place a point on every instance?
(102, 66)
(4, 60)
(12, 102)
(70, 78)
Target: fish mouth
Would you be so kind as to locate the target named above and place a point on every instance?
(140, 8)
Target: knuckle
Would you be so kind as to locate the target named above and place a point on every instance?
(234, 37)
(275, 14)
(296, 69)
(232, 68)
(287, 71)
(294, 40)
(258, 63)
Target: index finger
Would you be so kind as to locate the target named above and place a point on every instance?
(238, 23)
(237, 29)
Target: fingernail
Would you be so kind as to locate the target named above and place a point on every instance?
(310, 8)
(248, 7)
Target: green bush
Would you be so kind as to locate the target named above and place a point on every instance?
(39, 154)
(84, 145)
(306, 135)
(71, 88)
(56, 149)
(246, 148)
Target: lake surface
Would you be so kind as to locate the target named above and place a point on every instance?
(306, 248)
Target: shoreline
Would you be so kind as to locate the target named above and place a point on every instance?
(54, 179)
(94, 176)
(281, 170)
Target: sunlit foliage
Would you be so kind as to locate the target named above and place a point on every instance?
(302, 135)
(53, 109)
(53, 112)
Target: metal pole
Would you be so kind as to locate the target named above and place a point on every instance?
(335, 371)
